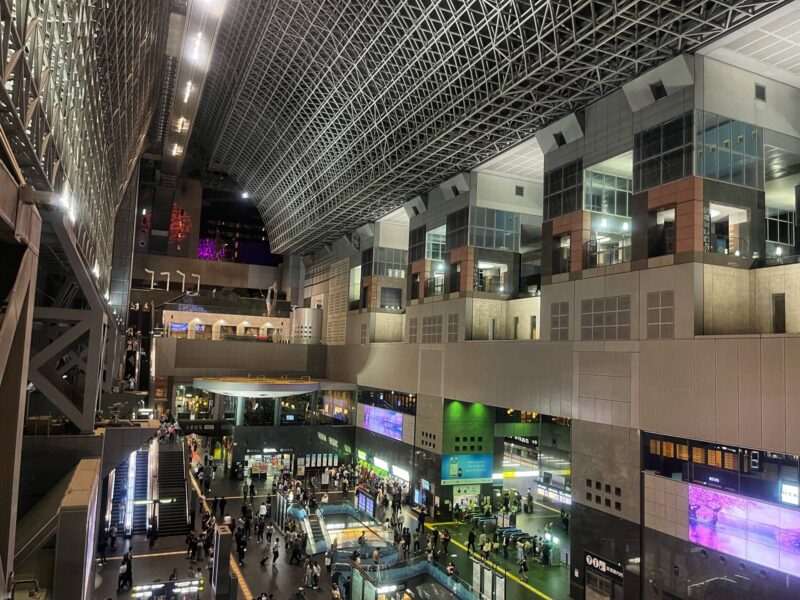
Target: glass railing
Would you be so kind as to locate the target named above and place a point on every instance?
(434, 287)
(604, 258)
(491, 287)
(728, 244)
(385, 575)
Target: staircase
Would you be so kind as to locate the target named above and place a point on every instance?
(316, 537)
(316, 529)
(172, 485)
(118, 496)
(140, 492)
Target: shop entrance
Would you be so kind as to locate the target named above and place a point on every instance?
(603, 579)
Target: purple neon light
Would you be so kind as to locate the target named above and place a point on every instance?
(207, 250)
(384, 422)
(757, 531)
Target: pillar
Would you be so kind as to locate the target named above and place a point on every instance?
(220, 574)
(239, 410)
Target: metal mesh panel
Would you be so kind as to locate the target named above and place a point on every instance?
(77, 100)
(332, 113)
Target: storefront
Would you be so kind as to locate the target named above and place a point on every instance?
(267, 463)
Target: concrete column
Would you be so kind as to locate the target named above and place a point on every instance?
(76, 534)
(220, 574)
(239, 411)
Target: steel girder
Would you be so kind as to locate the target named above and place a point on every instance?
(332, 113)
(20, 229)
(80, 82)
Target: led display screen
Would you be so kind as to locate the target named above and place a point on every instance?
(756, 531)
(384, 422)
(470, 468)
(365, 503)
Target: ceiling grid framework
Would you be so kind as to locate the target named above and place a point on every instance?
(333, 113)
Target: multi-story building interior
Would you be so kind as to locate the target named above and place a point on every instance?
(394, 300)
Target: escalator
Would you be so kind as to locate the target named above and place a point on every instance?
(172, 517)
(140, 492)
(119, 496)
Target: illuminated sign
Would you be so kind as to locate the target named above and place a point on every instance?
(790, 493)
(758, 531)
(554, 494)
(401, 473)
(384, 422)
(604, 566)
(381, 464)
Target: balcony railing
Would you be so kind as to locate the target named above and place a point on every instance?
(434, 286)
(561, 258)
(491, 287)
(728, 244)
(604, 258)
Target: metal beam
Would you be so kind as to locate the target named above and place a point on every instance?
(333, 113)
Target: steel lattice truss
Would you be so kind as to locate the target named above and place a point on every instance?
(80, 79)
(332, 113)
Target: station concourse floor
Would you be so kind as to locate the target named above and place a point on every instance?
(543, 582)
(151, 564)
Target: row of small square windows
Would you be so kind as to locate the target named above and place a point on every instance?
(599, 486)
(598, 500)
(471, 439)
(430, 436)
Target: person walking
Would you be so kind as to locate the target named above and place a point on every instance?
(471, 540)
(214, 505)
(523, 569)
(276, 546)
(101, 549)
(252, 490)
(222, 503)
(269, 531)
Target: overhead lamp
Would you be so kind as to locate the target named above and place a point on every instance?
(96, 270)
(604, 223)
(196, 48)
(187, 92)
(779, 251)
(626, 226)
(245, 194)
(144, 212)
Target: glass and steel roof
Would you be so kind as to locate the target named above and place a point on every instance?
(332, 113)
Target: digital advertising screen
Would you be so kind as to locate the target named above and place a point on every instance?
(365, 503)
(384, 422)
(763, 533)
(469, 468)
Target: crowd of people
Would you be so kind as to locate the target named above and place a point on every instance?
(253, 526)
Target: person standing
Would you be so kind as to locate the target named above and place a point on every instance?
(222, 503)
(101, 549)
(445, 540)
(471, 540)
(214, 505)
(252, 490)
(112, 536)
